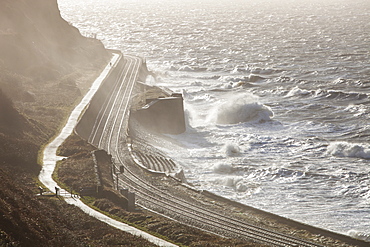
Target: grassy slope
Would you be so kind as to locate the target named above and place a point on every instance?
(45, 67)
(80, 160)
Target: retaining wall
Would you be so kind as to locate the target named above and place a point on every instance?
(163, 115)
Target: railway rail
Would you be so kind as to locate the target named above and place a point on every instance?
(175, 207)
(109, 133)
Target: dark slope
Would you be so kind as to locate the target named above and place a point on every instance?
(35, 38)
(45, 66)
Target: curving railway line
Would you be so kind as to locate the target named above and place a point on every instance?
(113, 114)
(110, 133)
(200, 217)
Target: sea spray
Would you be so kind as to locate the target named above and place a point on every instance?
(243, 109)
(231, 149)
(346, 149)
(238, 184)
(330, 101)
(296, 91)
(222, 168)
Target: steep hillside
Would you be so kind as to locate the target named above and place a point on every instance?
(37, 46)
(45, 67)
(43, 60)
(36, 41)
(11, 119)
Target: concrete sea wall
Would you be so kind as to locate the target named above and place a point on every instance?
(163, 115)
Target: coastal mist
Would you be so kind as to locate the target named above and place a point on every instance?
(276, 94)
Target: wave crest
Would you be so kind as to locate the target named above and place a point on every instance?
(222, 168)
(238, 184)
(345, 149)
(231, 149)
(242, 110)
(296, 91)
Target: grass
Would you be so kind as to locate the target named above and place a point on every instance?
(46, 221)
(41, 91)
(79, 151)
(91, 201)
(30, 220)
(34, 109)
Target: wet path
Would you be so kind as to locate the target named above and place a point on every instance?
(50, 158)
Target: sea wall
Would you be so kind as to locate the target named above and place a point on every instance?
(163, 115)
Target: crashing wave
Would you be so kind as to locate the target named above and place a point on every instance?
(222, 168)
(240, 110)
(345, 149)
(231, 149)
(296, 91)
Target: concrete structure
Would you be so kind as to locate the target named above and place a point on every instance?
(131, 201)
(163, 115)
(130, 196)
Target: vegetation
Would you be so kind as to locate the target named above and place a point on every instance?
(45, 67)
(80, 161)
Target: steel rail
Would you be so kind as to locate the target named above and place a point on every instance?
(214, 222)
(103, 110)
(118, 95)
(127, 96)
(122, 113)
(195, 212)
(169, 202)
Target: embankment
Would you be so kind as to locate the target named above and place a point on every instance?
(87, 120)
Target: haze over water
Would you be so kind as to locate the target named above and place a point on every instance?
(276, 96)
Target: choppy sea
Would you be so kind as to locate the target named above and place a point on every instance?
(276, 93)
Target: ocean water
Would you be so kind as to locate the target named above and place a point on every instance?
(276, 93)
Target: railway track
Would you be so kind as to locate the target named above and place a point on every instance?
(109, 133)
(182, 210)
(112, 117)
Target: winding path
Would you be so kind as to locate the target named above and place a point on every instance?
(110, 133)
(50, 158)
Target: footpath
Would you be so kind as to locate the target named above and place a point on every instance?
(50, 158)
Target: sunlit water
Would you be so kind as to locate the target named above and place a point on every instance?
(276, 96)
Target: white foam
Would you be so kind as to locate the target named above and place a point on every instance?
(359, 235)
(296, 91)
(346, 149)
(242, 109)
(278, 193)
(241, 187)
(229, 85)
(222, 168)
(238, 184)
(186, 68)
(231, 149)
